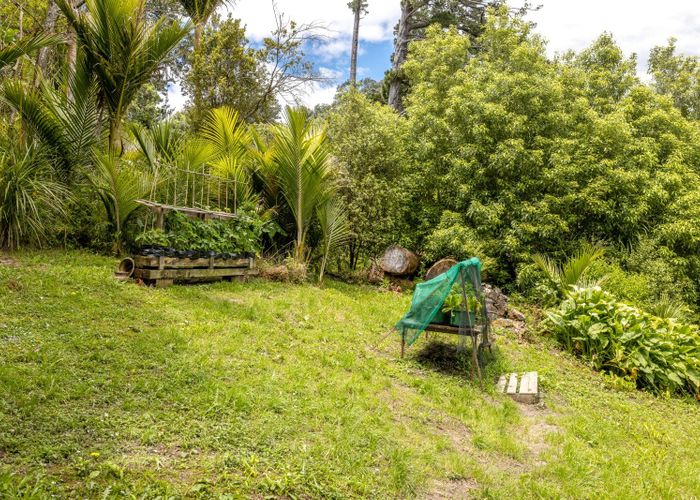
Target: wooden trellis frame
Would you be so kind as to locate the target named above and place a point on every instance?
(204, 195)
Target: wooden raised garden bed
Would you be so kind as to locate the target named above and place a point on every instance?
(163, 271)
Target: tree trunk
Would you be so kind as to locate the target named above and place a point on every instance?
(355, 44)
(48, 27)
(399, 261)
(400, 53)
(197, 97)
(115, 136)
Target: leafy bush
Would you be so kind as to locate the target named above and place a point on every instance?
(241, 234)
(452, 238)
(658, 354)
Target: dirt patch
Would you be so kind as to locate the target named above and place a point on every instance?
(453, 489)
(14, 285)
(535, 439)
(8, 261)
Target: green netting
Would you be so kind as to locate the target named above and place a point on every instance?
(428, 299)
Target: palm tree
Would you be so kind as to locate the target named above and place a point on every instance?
(119, 188)
(335, 226)
(301, 159)
(200, 11)
(122, 49)
(573, 271)
(66, 127)
(358, 7)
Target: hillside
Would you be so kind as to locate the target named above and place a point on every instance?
(292, 390)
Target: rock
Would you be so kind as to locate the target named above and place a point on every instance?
(440, 267)
(375, 274)
(500, 314)
(496, 302)
(515, 315)
(517, 327)
(399, 261)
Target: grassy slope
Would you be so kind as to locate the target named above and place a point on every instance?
(272, 389)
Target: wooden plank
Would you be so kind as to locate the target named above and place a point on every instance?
(528, 383)
(453, 330)
(157, 262)
(512, 384)
(183, 274)
(160, 208)
(528, 391)
(501, 385)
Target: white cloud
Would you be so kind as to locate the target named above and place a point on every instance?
(637, 25)
(335, 15)
(176, 99)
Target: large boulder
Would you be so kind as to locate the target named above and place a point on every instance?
(399, 261)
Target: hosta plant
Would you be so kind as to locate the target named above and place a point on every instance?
(659, 354)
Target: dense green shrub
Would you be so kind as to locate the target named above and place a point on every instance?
(452, 238)
(659, 354)
(537, 154)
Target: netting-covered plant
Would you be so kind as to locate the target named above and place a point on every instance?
(658, 354)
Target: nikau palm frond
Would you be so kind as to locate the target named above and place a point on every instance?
(119, 188)
(25, 45)
(201, 10)
(67, 127)
(573, 271)
(301, 157)
(122, 49)
(335, 226)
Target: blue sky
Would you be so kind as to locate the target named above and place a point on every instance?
(637, 25)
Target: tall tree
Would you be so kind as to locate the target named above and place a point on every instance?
(416, 15)
(122, 49)
(200, 11)
(358, 7)
(677, 76)
(226, 71)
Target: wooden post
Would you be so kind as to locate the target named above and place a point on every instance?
(159, 217)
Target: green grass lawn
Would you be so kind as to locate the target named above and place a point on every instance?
(265, 389)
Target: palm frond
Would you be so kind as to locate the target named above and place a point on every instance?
(335, 226)
(29, 197)
(301, 157)
(573, 271)
(226, 132)
(67, 127)
(122, 48)
(200, 10)
(119, 187)
(575, 267)
(551, 269)
(26, 45)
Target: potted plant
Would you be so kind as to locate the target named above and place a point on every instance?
(454, 306)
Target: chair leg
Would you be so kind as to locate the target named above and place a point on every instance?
(475, 359)
(403, 344)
